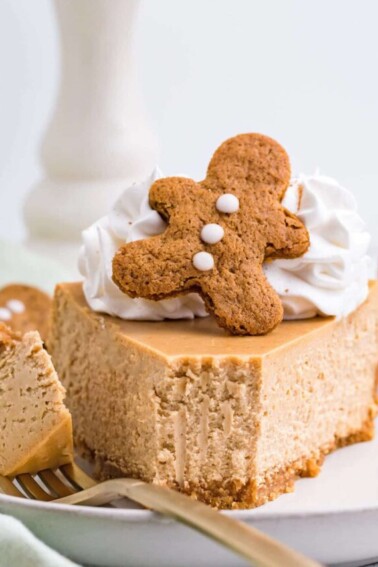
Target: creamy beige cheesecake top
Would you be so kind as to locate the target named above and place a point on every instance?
(203, 336)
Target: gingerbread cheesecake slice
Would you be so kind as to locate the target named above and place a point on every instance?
(232, 421)
(35, 425)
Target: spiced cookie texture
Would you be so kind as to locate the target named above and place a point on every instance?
(220, 231)
(7, 337)
(24, 308)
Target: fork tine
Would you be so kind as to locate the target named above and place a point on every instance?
(77, 477)
(32, 488)
(54, 484)
(7, 487)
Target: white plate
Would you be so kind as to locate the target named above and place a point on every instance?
(332, 518)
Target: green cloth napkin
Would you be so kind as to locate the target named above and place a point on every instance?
(20, 548)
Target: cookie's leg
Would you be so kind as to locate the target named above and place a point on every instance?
(242, 302)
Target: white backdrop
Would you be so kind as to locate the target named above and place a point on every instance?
(305, 72)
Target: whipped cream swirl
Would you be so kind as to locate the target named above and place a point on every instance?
(330, 279)
(130, 219)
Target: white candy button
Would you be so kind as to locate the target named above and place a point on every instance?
(16, 306)
(5, 314)
(212, 233)
(227, 203)
(203, 261)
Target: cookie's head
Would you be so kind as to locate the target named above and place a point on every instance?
(253, 164)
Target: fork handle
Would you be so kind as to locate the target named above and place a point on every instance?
(259, 549)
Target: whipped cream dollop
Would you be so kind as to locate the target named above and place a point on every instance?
(130, 219)
(330, 279)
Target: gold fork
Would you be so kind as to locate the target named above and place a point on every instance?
(71, 485)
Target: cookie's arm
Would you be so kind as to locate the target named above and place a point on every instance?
(291, 240)
(166, 194)
(153, 269)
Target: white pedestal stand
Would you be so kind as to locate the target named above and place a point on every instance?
(98, 141)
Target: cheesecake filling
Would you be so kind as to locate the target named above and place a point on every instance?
(231, 422)
(36, 427)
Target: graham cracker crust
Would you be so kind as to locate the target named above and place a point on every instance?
(233, 494)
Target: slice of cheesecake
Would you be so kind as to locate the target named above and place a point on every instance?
(35, 426)
(230, 420)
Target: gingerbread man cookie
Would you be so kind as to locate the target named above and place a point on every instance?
(220, 231)
(24, 308)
